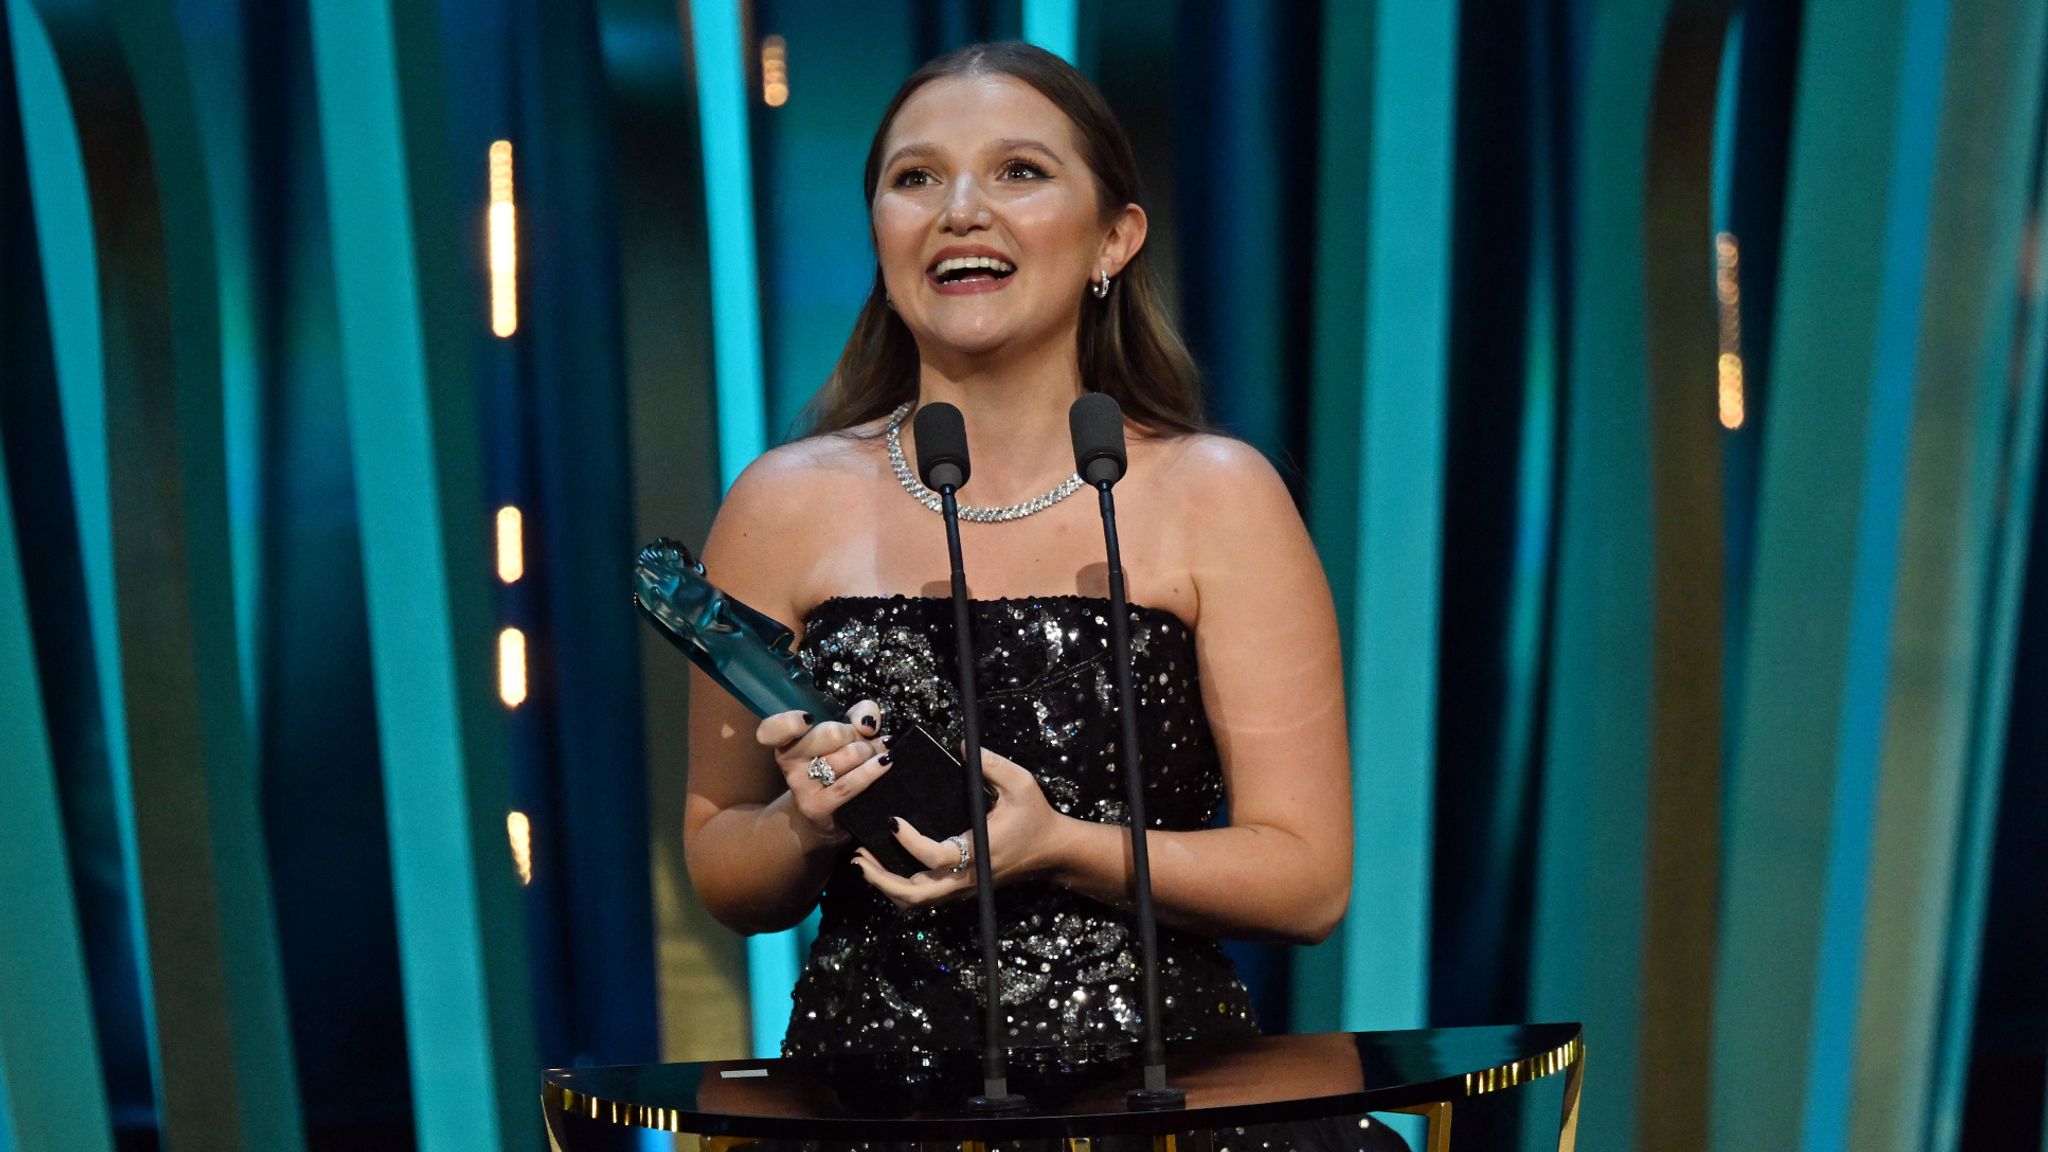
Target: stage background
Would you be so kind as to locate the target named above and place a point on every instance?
(1662, 381)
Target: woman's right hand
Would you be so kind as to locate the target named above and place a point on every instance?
(825, 765)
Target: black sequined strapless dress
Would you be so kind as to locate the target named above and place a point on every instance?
(880, 979)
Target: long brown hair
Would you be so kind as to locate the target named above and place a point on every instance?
(1127, 347)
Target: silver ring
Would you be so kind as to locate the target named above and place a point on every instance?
(966, 850)
(822, 772)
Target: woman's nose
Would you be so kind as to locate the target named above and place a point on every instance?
(966, 208)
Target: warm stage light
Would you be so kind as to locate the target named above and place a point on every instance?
(520, 831)
(504, 244)
(774, 71)
(1728, 294)
(511, 545)
(512, 667)
(1731, 391)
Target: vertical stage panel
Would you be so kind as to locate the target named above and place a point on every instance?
(1240, 112)
(664, 267)
(1054, 25)
(1998, 650)
(1336, 380)
(1376, 480)
(68, 511)
(584, 472)
(52, 1093)
(720, 50)
(218, 52)
(1961, 472)
(1803, 794)
(817, 257)
(409, 312)
(1682, 853)
(223, 1062)
(1592, 902)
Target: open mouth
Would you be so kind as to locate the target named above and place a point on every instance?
(979, 270)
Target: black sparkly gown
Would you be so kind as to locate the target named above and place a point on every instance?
(882, 980)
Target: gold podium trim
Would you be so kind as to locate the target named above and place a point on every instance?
(1568, 1057)
(1522, 1071)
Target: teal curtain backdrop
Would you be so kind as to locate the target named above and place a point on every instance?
(1664, 382)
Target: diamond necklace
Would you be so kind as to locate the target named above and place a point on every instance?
(931, 500)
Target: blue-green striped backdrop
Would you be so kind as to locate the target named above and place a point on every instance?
(1662, 381)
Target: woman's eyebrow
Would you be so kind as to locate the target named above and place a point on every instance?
(918, 149)
(1025, 143)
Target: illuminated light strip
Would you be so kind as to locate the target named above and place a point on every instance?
(729, 202)
(504, 244)
(519, 830)
(774, 71)
(512, 667)
(1728, 291)
(1054, 25)
(511, 545)
(721, 51)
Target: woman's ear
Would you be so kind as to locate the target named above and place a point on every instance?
(1125, 238)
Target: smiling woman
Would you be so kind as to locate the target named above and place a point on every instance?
(960, 209)
(1010, 281)
(1011, 131)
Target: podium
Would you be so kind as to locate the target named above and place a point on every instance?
(1076, 1095)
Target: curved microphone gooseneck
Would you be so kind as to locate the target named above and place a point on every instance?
(1096, 423)
(942, 465)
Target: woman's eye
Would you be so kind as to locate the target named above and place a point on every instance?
(1022, 170)
(913, 178)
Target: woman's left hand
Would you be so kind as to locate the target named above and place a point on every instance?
(1024, 838)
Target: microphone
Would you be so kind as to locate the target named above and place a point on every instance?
(1097, 426)
(942, 465)
(941, 447)
(1096, 423)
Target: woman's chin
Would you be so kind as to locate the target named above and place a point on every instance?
(968, 342)
(989, 337)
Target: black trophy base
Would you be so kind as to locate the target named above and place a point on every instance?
(997, 1105)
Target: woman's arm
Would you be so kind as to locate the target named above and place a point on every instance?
(1273, 686)
(1272, 683)
(757, 833)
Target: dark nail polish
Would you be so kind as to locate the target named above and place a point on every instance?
(895, 825)
(884, 760)
(869, 723)
(887, 741)
(807, 717)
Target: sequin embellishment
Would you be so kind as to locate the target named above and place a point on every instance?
(880, 979)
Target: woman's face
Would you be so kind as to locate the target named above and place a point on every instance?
(987, 222)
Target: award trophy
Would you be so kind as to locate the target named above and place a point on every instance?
(748, 654)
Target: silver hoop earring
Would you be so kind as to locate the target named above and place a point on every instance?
(1101, 287)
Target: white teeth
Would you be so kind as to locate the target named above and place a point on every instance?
(966, 263)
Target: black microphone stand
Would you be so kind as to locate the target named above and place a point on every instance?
(994, 1060)
(1154, 1094)
(942, 433)
(995, 1072)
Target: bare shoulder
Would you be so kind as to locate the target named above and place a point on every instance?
(764, 543)
(1224, 458)
(1227, 478)
(793, 477)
